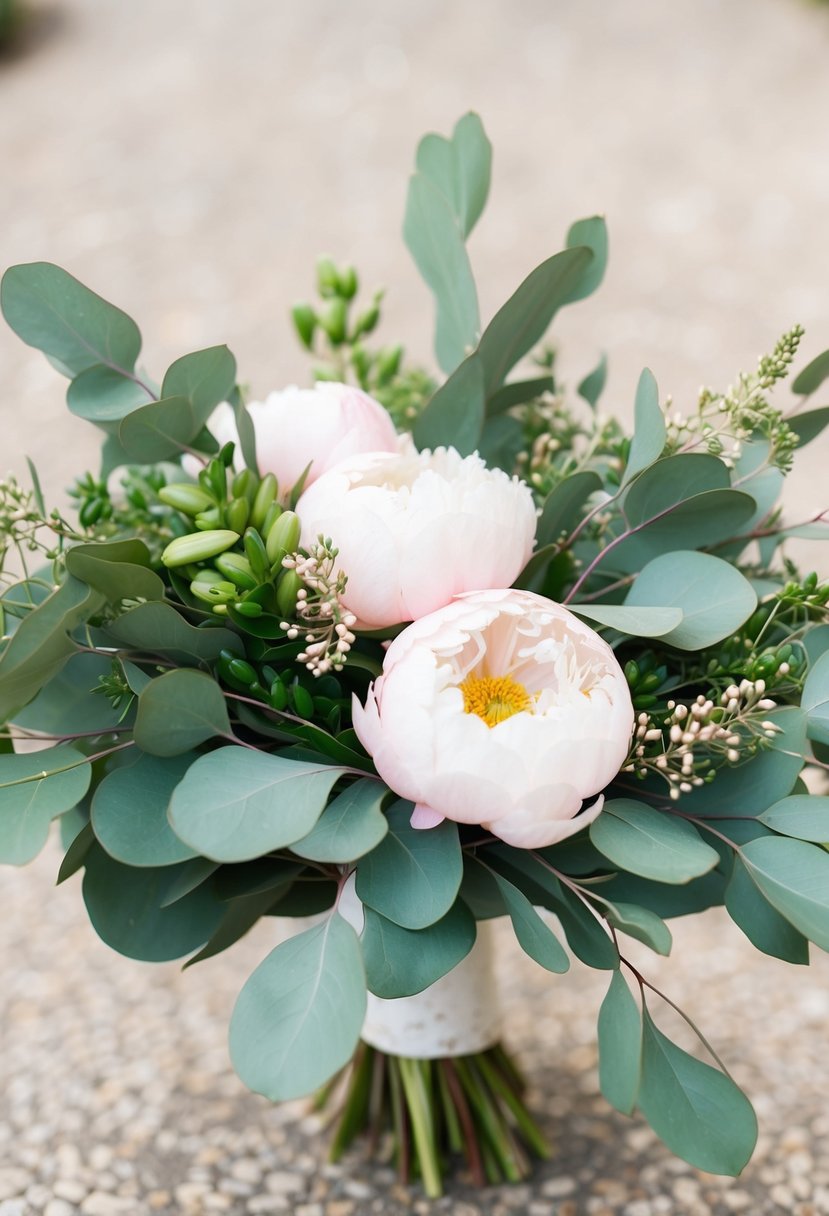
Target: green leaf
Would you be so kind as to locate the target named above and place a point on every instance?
(178, 711)
(240, 879)
(651, 843)
(620, 1046)
(160, 629)
(750, 788)
(298, 1018)
(75, 855)
(124, 906)
(592, 386)
(794, 877)
(636, 622)
(534, 935)
(104, 395)
(642, 924)
(455, 414)
(185, 878)
(349, 827)
(809, 425)
(715, 598)
(412, 877)
(41, 644)
(586, 936)
(592, 234)
(564, 506)
(460, 168)
(649, 432)
(517, 392)
(435, 241)
(814, 701)
(244, 429)
(36, 787)
(812, 376)
(161, 430)
(129, 811)
(501, 440)
(670, 481)
(69, 698)
(118, 569)
(204, 378)
(805, 816)
(762, 924)
(236, 804)
(400, 962)
(698, 1111)
(526, 316)
(694, 523)
(240, 917)
(52, 311)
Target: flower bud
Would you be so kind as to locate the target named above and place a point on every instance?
(236, 514)
(366, 322)
(257, 556)
(185, 497)
(211, 588)
(245, 485)
(264, 497)
(305, 323)
(271, 516)
(208, 521)
(283, 538)
(334, 320)
(286, 593)
(198, 546)
(237, 569)
(347, 282)
(388, 363)
(328, 280)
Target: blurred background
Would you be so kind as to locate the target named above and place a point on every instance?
(189, 162)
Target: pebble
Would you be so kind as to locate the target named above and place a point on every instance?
(283, 1183)
(13, 1182)
(58, 1207)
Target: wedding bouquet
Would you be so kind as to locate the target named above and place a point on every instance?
(396, 658)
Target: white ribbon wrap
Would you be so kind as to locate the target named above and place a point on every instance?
(457, 1015)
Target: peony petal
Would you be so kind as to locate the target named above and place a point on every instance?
(525, 829)
(423, 817)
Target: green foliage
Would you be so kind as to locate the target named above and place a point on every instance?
(654, 844)
(129, 811)
(762, 924)
(178, 711)
(349, 827)
(400, 962)
(412, 877)
(794, 878)
(715, 598)
(620, 1046)
(235, 804)
(534, 935)
(34, 789)
(299, 1016)
(649, 433)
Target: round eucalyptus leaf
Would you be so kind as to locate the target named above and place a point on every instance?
(129, 811)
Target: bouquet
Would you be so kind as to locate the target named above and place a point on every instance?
(396, 656)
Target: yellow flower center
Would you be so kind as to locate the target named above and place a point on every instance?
(494, 698)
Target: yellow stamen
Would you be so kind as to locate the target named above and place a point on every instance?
(494, 698)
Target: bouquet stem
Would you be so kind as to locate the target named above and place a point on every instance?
(431, 1111)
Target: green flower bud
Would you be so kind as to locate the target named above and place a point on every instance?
(632, 673)
(249, 608)
(388, 363)
(257, 555)
(278, 695)
(185, 497)
(303, 701)
(347, 282)
(328, 280)
(245, 485)
(226, 453)
(198, 546)
(236, 514)
(305, 323)
(334, 320)
(237, 569)
(239, 669)
(286, 593)
(366, 322)
(213, 480)
(283, 538)
(220, 592)
(271, 516)
(265, 495)
(207, 521)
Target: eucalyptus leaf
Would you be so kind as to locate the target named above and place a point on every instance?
(159, 629)
(124, 906)
(239, 918)
(563, 506)
(535, 937)
(591, 387)
(642, 924)
(161, 430)
(748, 789)
(794, 878)
(178, 711)
(762, 924)
(636, 622)
(649, 431)
(401, 962)
(349, 827)
(236, 804)
(298, 1018)
(809, 425)
(805, 816)
(812, 375)
(119, 570)
(72, 696)
(455, 414)
(52, 311)
(620, 1046)
(104, 395)
(129, 811)
(435, 241)
(205, 378)
(518, 392)
(36, 787)
(654, 844)
(412, 877)
(814, 700)
(715, 598)
(460, 168)
(75, 855)
(586, 936)
(592, 234)
(698, 1111)
(667, 482)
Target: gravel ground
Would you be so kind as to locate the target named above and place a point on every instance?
(189, 161)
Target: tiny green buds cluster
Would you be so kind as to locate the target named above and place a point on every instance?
(320, 616)
(92, 497)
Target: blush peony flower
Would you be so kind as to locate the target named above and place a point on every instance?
(415, 529)
(321, 425)
(501, 709)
